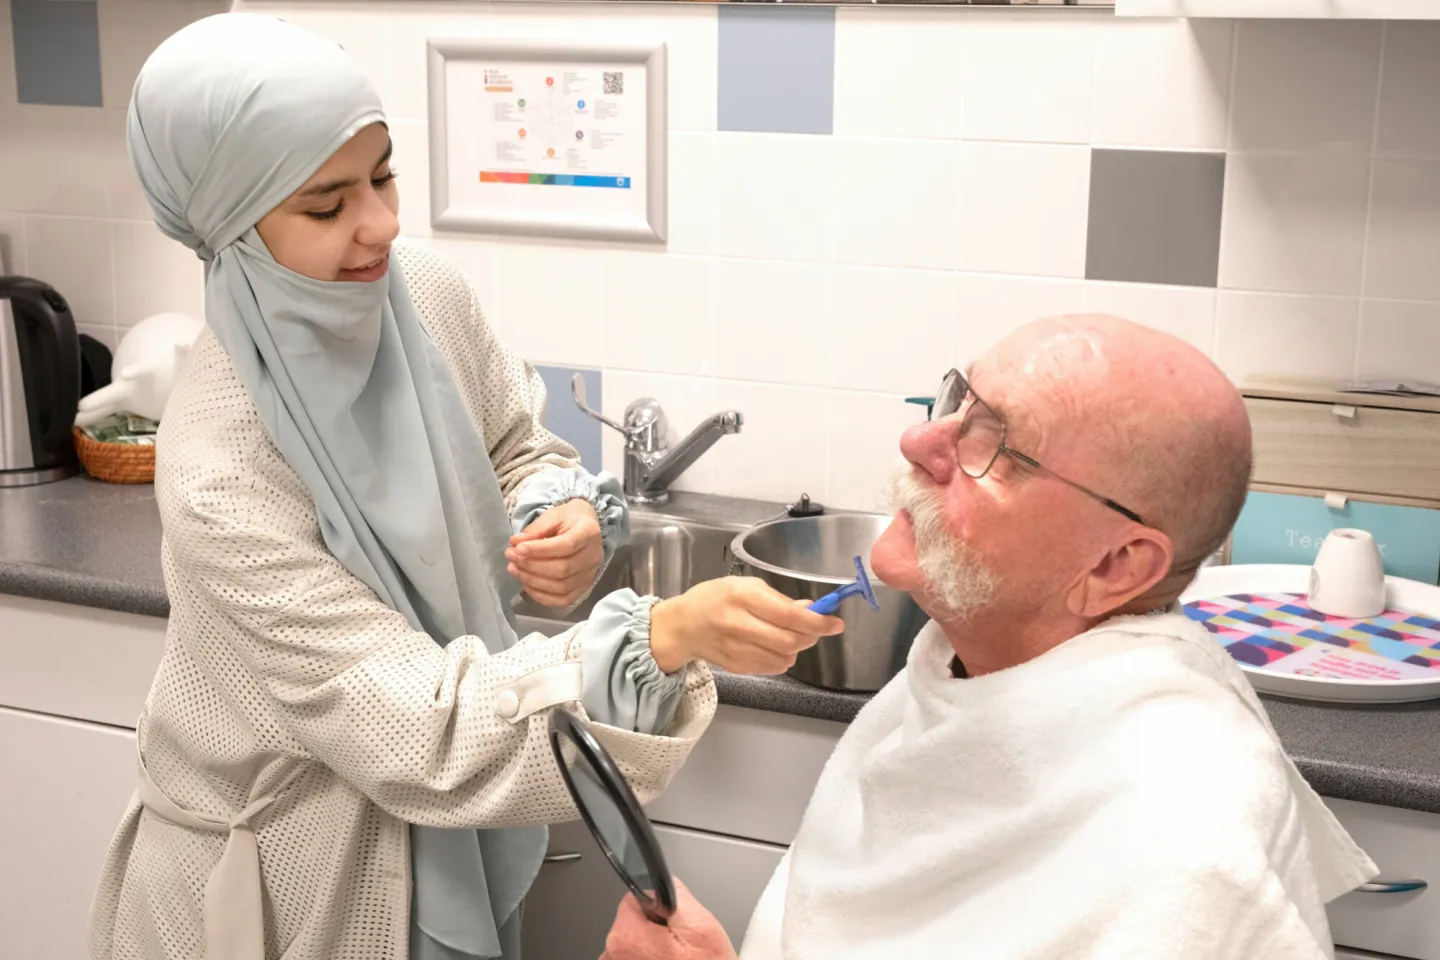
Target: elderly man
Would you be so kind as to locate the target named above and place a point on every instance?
(1067, 767)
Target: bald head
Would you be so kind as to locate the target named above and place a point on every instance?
(1144, 417)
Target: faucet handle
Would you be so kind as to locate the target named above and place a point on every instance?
(646, 427)
(577, 393)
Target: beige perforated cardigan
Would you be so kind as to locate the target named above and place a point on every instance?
(285, 679)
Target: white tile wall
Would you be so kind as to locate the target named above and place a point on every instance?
(1294, 222)
(1403, 259)
(814, 282)
(153, 274)
(548, 302)
(774, 196)
(770, 321)
(1023, 208)
(1285, 334)
(1409, 124)
(1399, 339)
(1306, 85)
(781, 452)
(75, 255)
(991, 306)
(881, 183)
(71, 212)
(1162, 83)
(864, 445)
(1028, 78)
(1186, 312)
(891, 329)
(659, 312)
(899, 76)
(59, 147)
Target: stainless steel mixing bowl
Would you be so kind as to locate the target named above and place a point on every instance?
(806, 558)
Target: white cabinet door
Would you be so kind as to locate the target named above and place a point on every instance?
(751, 775)
(572, 905)
(65, 788)
(725, 874)
(1405, 845)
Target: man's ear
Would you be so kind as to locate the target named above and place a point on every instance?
(1124, 572)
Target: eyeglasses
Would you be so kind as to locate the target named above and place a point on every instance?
(982, 438)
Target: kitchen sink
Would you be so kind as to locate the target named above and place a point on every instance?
(666, 556)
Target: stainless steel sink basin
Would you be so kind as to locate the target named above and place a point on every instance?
(665, 557)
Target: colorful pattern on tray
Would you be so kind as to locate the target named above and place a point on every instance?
(1279, 633)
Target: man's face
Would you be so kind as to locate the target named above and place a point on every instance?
(959, 544)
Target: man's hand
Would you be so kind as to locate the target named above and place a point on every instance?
(693, 933)
(557, 558)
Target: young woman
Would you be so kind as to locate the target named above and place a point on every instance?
(344, 751)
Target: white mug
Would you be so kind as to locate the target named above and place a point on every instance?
(1348, 579)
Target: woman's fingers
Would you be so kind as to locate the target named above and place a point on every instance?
(552, 585)
(782, 611)
(750, 644)
(561, 544)
(561, 569)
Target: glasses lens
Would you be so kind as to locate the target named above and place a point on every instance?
(981, 434)
(950, 396)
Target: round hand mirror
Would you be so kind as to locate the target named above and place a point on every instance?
(610, 810)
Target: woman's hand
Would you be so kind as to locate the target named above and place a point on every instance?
(557, 558)
(693, 933)
(737, 623)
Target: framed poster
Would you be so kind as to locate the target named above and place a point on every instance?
(548, 139)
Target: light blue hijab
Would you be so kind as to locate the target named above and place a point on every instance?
(229, 117)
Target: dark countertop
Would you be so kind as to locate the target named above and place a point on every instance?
(84, 542)
(98, 545)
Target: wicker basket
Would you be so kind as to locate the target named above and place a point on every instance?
(116, 462)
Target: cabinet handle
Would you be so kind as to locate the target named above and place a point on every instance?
(1392, 886)
(560, 857)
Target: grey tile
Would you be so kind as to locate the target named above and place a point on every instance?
(777, 69)
(1155, 216)
(57, 52)
(563, 419)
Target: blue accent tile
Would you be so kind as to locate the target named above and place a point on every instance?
(565, 420)
(57, 52)
(777, 69)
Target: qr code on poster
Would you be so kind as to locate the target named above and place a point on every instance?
(614, 82)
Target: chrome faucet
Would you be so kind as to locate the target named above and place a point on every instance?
(651, 466)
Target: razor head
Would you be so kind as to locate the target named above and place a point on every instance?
(863, 582)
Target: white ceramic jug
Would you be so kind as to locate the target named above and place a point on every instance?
(147, 363)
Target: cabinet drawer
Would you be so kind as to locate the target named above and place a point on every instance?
(1388, 452)
(1405, 845)
(751, 775)
(77, 662)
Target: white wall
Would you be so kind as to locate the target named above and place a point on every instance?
(814, 281)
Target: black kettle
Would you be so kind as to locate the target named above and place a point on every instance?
(39, 383)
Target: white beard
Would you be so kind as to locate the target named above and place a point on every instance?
(955, 576)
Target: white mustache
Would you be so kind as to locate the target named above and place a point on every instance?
(955, 575)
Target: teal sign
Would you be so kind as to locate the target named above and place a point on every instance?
(1286, 528)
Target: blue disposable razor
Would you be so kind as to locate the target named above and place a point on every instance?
(861, 586)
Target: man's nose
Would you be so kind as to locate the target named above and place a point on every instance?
(931, 447)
